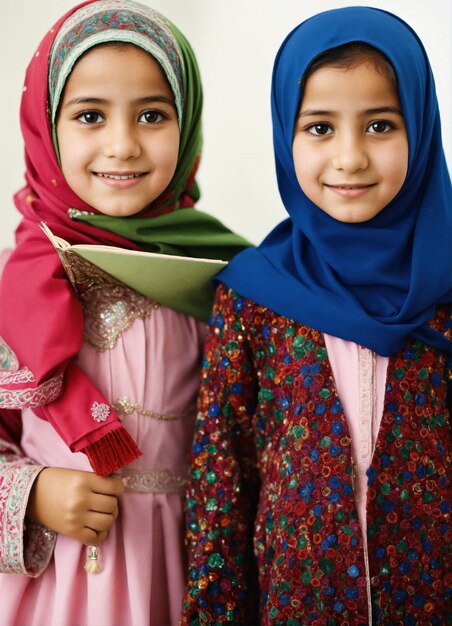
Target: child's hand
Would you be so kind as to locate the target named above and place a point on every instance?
(78, 504)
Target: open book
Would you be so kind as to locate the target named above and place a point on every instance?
(181, 283)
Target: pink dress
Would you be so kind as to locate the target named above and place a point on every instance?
(360, 377)
(145, 359)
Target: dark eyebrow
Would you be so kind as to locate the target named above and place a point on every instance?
(375, 111)
(145, 100)
(388, 109)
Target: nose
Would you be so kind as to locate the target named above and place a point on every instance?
(350, 153)
(121, 140)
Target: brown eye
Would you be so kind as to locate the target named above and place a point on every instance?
(90, 117)
(320, 129)
(380, 126)
(151, 117)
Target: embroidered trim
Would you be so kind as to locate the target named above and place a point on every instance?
(124, 407)
(8, 360)
(109, 307)
(100, 411)
(24, 551)
(153, 481)
(45, 393)
(367, 405)
(367, 408)
(24, 375)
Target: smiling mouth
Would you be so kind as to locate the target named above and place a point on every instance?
(350, 191)
(120, 176)
(351, 187)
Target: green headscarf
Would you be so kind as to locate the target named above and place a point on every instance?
(171, 224)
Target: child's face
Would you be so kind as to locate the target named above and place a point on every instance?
(117, 130)
(350, 146)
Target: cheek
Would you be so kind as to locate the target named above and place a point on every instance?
(395, 167)
(167, 151)
(306, 169)
(74, 154)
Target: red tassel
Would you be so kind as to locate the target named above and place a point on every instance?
(112, 452)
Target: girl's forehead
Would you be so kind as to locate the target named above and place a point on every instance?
(117, 74)
(115, 21)
(332, 84)
(378, 29)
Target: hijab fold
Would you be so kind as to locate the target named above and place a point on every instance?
(375, 283)
(41, 321)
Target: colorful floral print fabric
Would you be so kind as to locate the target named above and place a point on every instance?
(273, 531)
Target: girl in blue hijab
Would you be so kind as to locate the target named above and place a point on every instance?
(320, 490)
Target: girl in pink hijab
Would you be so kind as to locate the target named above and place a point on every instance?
(97, 382)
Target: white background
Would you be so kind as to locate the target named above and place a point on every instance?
(235, 42)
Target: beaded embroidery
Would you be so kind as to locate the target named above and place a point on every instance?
(109, 307)
(100, 411)
(39, 543)
(75, 213)
(123, 407)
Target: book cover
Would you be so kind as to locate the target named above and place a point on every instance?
(181, 283)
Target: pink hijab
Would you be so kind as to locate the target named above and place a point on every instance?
(37, 304)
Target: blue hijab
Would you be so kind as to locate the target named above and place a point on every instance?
(375, 283)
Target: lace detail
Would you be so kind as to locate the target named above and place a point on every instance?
(124, 407)
(153, 481)
(8, 360)
(109, 307)
(34, 396)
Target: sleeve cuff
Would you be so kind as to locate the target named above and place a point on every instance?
(25, 548)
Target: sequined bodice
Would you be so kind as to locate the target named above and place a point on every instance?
(109, 306)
